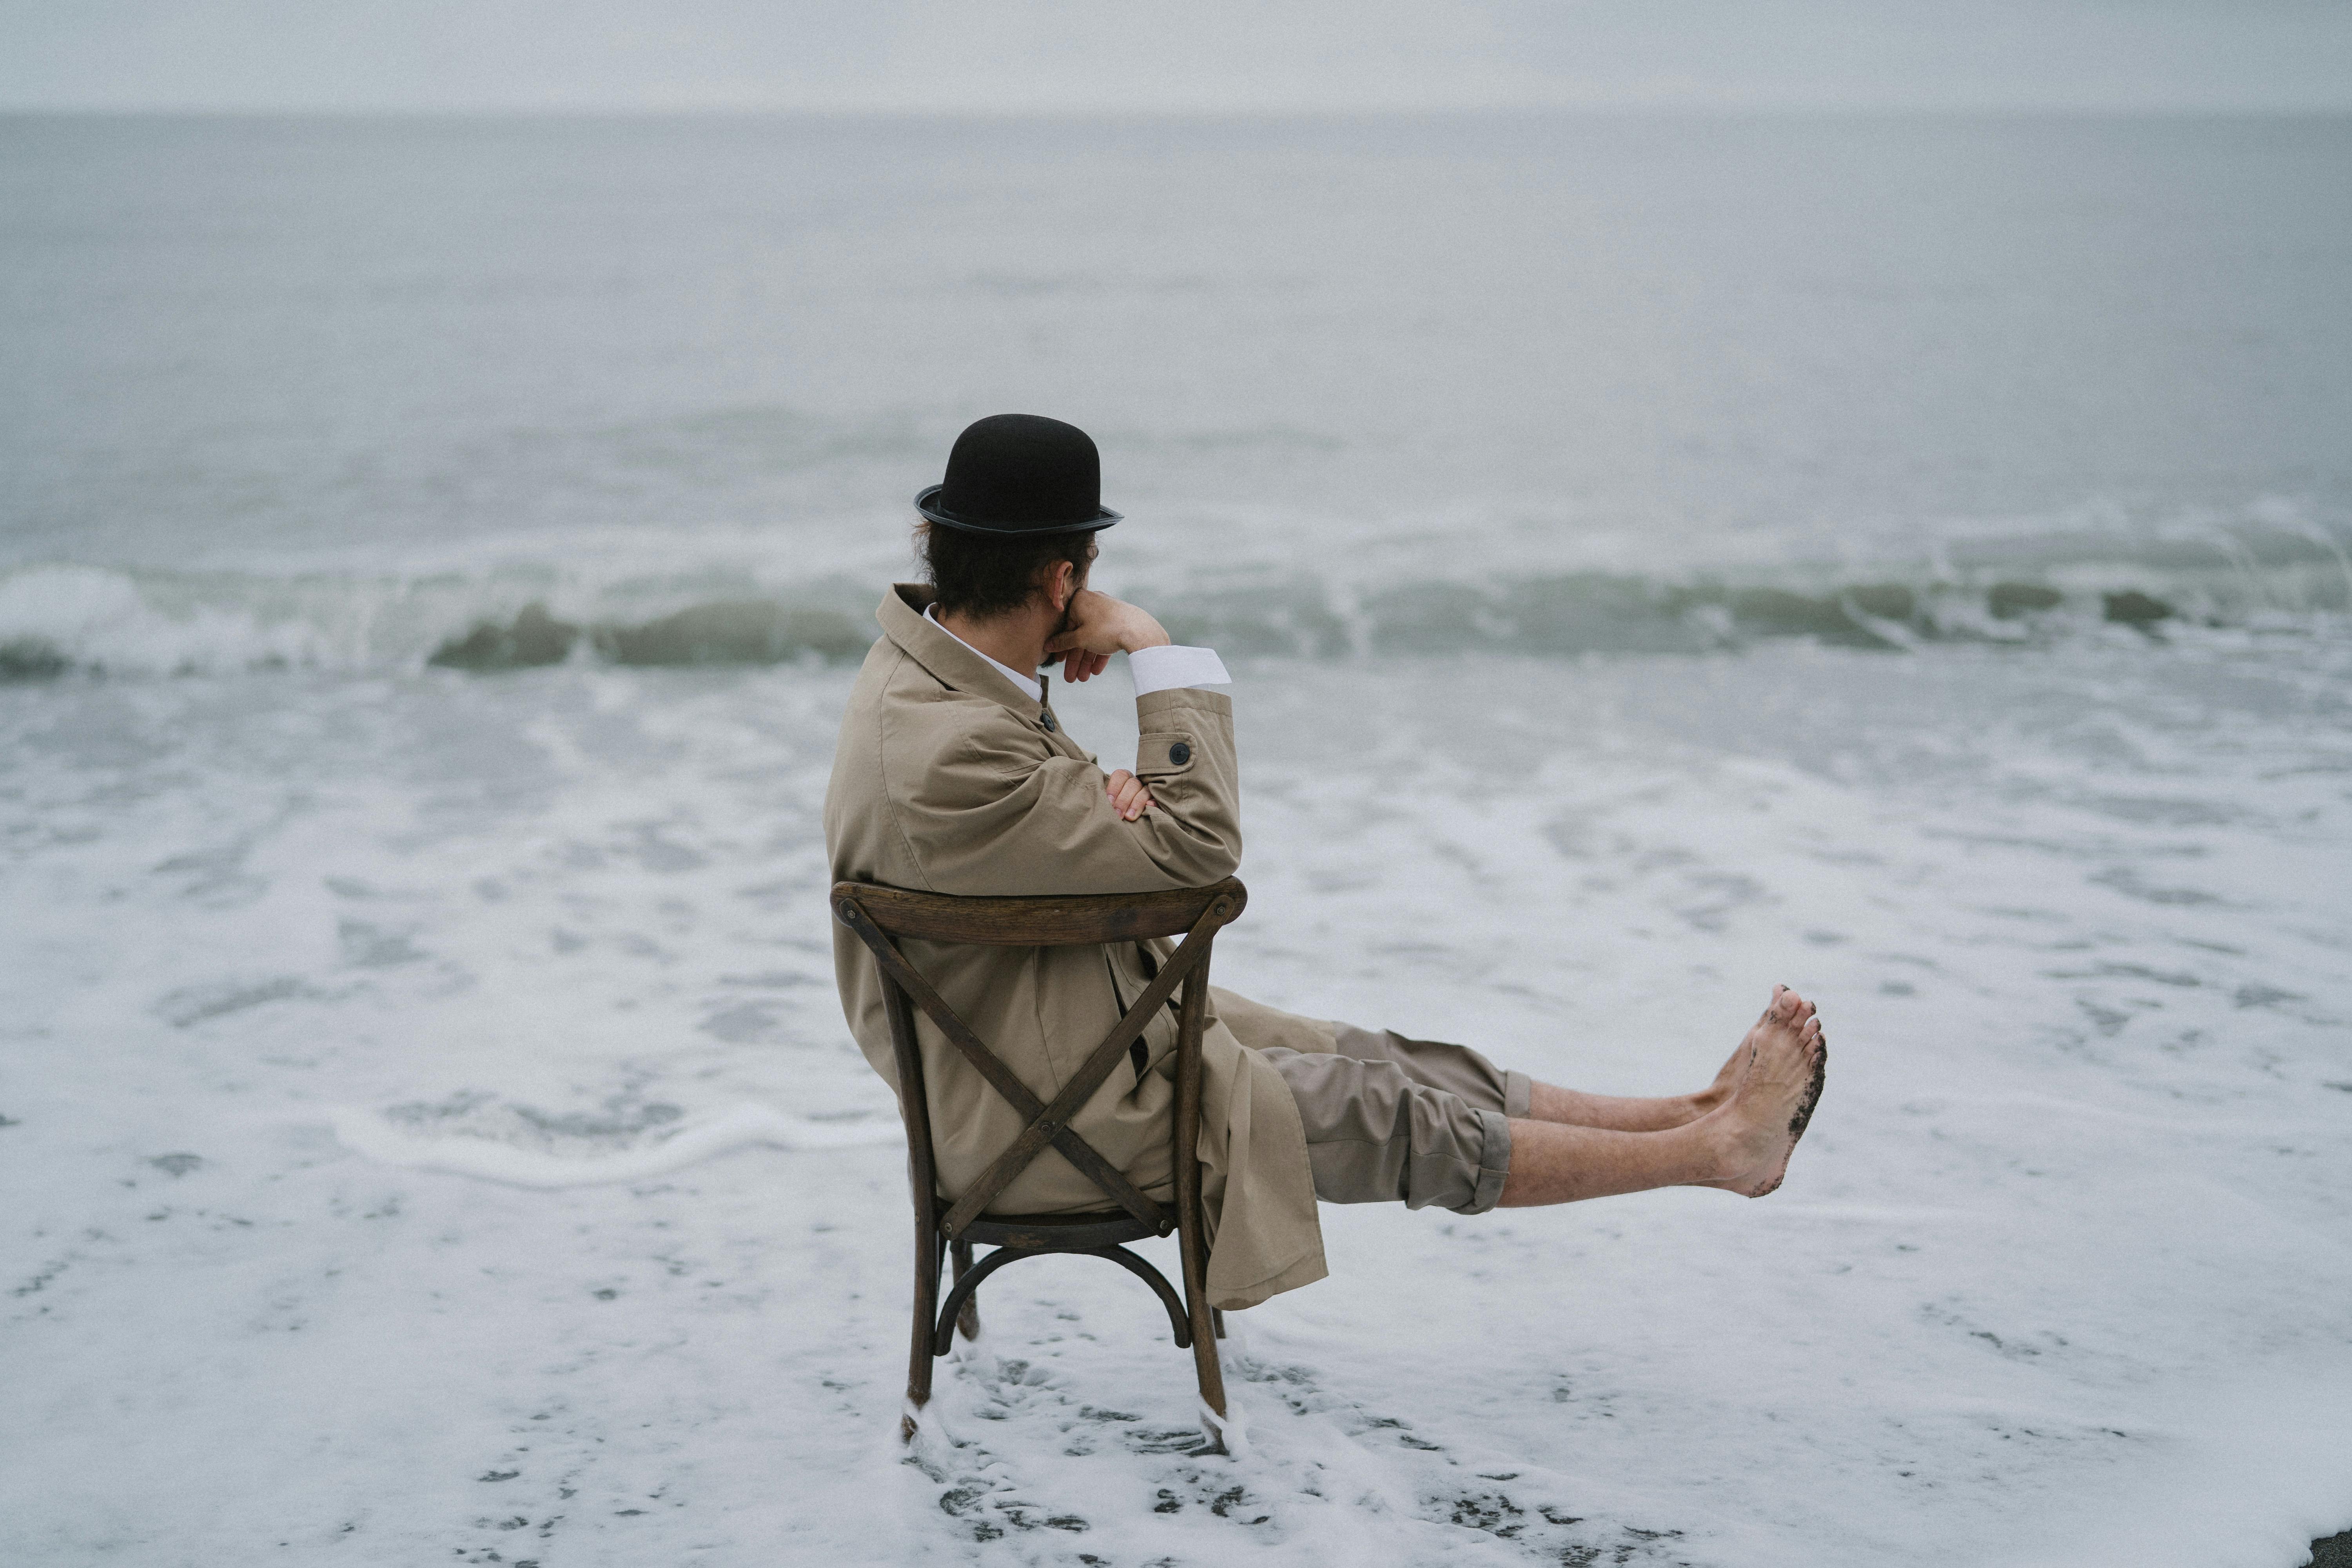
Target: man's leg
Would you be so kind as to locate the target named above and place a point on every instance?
(1574, 1107)
(1391, 1118)
(1742, 1146)
(1461, 1070)
(1622, 1113)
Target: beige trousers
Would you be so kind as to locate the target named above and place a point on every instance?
(1389, 1119)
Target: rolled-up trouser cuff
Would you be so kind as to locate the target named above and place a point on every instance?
(1518, 1093)
(1493, 1163)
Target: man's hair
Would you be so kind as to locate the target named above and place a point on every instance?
(982, 574)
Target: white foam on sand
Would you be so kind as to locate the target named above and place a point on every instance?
(375, 1048)
(459, 1155)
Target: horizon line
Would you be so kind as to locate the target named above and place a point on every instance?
(1049, 113)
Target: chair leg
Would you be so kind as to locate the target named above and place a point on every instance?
(967, 1321)
(927, 1306)
(1217, 1320)
(1192, 1246)
(1205, 1364)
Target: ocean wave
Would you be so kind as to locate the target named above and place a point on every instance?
(1596, 613)
(66, 619)
(61, 620)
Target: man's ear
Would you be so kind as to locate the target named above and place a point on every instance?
(1060, 588)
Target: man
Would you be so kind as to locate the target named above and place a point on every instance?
(953, 776)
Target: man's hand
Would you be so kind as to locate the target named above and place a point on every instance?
(1096, 626)
(1129, 796)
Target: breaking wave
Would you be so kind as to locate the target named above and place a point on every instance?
(62, 619)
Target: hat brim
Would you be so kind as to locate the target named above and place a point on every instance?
(926, 502)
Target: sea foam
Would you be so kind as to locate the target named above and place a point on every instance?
(464, 1155)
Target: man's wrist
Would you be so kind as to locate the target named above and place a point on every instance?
(1135, 638)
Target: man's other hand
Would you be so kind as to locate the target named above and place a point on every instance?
(1129, 796)
(1097, 626)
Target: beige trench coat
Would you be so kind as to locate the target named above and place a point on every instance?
(948, 779)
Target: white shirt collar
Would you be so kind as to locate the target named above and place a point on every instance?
(1033, 688)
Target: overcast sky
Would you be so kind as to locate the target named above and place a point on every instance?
(1030, 56)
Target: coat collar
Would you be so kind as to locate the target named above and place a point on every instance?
(957, 667)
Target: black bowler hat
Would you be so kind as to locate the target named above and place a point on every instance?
(1019, 473)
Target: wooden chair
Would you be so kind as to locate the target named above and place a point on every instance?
(877, 914)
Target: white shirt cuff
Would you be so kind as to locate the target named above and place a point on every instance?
(1165, 668)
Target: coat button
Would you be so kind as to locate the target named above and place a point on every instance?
(1046, 719)
(1179, 754)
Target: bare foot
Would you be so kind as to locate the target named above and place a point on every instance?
(1727, 1082)
(1716, 1095)
(1784, 1060)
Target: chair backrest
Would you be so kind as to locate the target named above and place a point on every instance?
(877, 914)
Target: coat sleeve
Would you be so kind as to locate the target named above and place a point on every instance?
(994, 809)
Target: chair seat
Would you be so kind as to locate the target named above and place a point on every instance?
(1056, 1232)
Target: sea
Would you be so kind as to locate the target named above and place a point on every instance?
(1908, 558)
